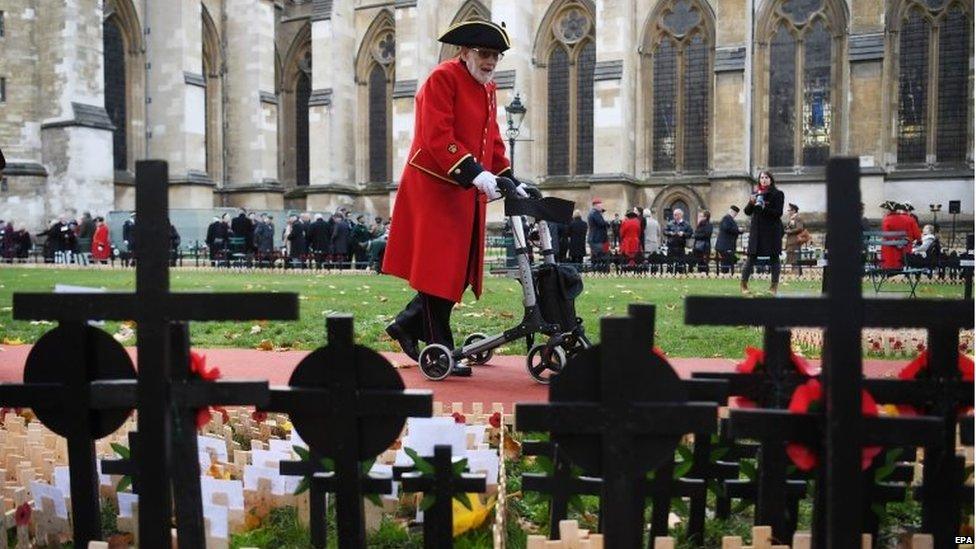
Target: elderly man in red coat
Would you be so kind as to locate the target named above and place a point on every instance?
(893, 257)
(437, 231)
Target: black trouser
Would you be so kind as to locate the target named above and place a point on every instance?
(428, 318)
(728, 260)
(773, 267)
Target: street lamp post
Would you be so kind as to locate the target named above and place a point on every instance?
(935, 209)
(514, 114)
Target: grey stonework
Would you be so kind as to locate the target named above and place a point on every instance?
(211, 88)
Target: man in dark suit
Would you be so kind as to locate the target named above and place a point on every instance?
(319, 238)
(728, 235)
(340, 239)
(597, 237)
(241, 225)
(577, 238)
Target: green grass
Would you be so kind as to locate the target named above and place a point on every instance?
(374, 300)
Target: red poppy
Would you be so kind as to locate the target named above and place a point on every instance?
(223, 413)
(495, 420)
(753, 363)
(198, 366)
(459, 417)
(259, 416)
(23, 514)
(919, 367)
(807, 399)
(203, 417)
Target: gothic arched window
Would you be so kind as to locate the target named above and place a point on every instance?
(115, 89)
(375, 73)
(934, 48)
(303, 90)
(800, 81)
(570, 59)
(679, 41)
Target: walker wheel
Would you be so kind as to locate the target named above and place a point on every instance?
(436, 362)
(483, 357)
(543, 362)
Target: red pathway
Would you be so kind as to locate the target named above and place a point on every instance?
(504, 380)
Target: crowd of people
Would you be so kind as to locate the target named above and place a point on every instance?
(67, 240)
(308, 240)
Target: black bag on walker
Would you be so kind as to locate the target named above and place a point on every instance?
(556, 289)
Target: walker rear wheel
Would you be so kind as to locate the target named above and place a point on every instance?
(436, 362)
(543, 362)
(478, 358)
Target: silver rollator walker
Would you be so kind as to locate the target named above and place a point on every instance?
(548, 294)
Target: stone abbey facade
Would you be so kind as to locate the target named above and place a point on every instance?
(308, 104)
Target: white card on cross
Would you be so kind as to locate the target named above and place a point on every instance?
(232, 489)
(207, 445)
(425, 433)
(478, 431)
(484, 461)
(280, 446)
(296, 439)
(39, 491)
(104, 480)
(268, 458)
(62, 479)
(279, 484)
(218, 520)
(127, 502)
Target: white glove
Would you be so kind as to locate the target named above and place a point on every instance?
(487, 184)
(520, 190)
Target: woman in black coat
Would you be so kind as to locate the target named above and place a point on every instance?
(703, 240)
(765, 229)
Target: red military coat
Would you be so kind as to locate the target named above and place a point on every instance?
(892, 257)
(437, 232)
(630, 236)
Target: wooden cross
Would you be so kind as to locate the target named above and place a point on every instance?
(843, 312)
(560, 486)
(153, 307)
(49, 527)
(443, 485)
(349, 404)
(618, 410)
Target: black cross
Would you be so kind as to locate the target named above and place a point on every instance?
(125, 467)
(844, 312)
(443, 485)
(323, 482)
(560, 486)
(618, 411)
(349, 404)
(153, 307)
(941, 392)
(64, 380)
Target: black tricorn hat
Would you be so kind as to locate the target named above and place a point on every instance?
(473, 34)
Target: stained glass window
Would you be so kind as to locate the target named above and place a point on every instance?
(681, 90)
(115, 89)
(585, 64)
(378, 112)
(303, 89)
(817, 113)
(558, 116)
(665, 111)
(696, 105)
(954, 50)
(782, 90)
(913, 85)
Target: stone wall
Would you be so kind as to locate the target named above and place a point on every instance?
(60, 148)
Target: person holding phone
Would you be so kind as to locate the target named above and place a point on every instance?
(765, 208)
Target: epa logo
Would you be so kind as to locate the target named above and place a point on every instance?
(964, 539)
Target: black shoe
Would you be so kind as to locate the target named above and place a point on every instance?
(407, 343)
(461, 370)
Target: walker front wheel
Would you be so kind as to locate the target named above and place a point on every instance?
(543, 362)
(436, 362)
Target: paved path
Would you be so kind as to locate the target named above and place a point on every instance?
(504, 379)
